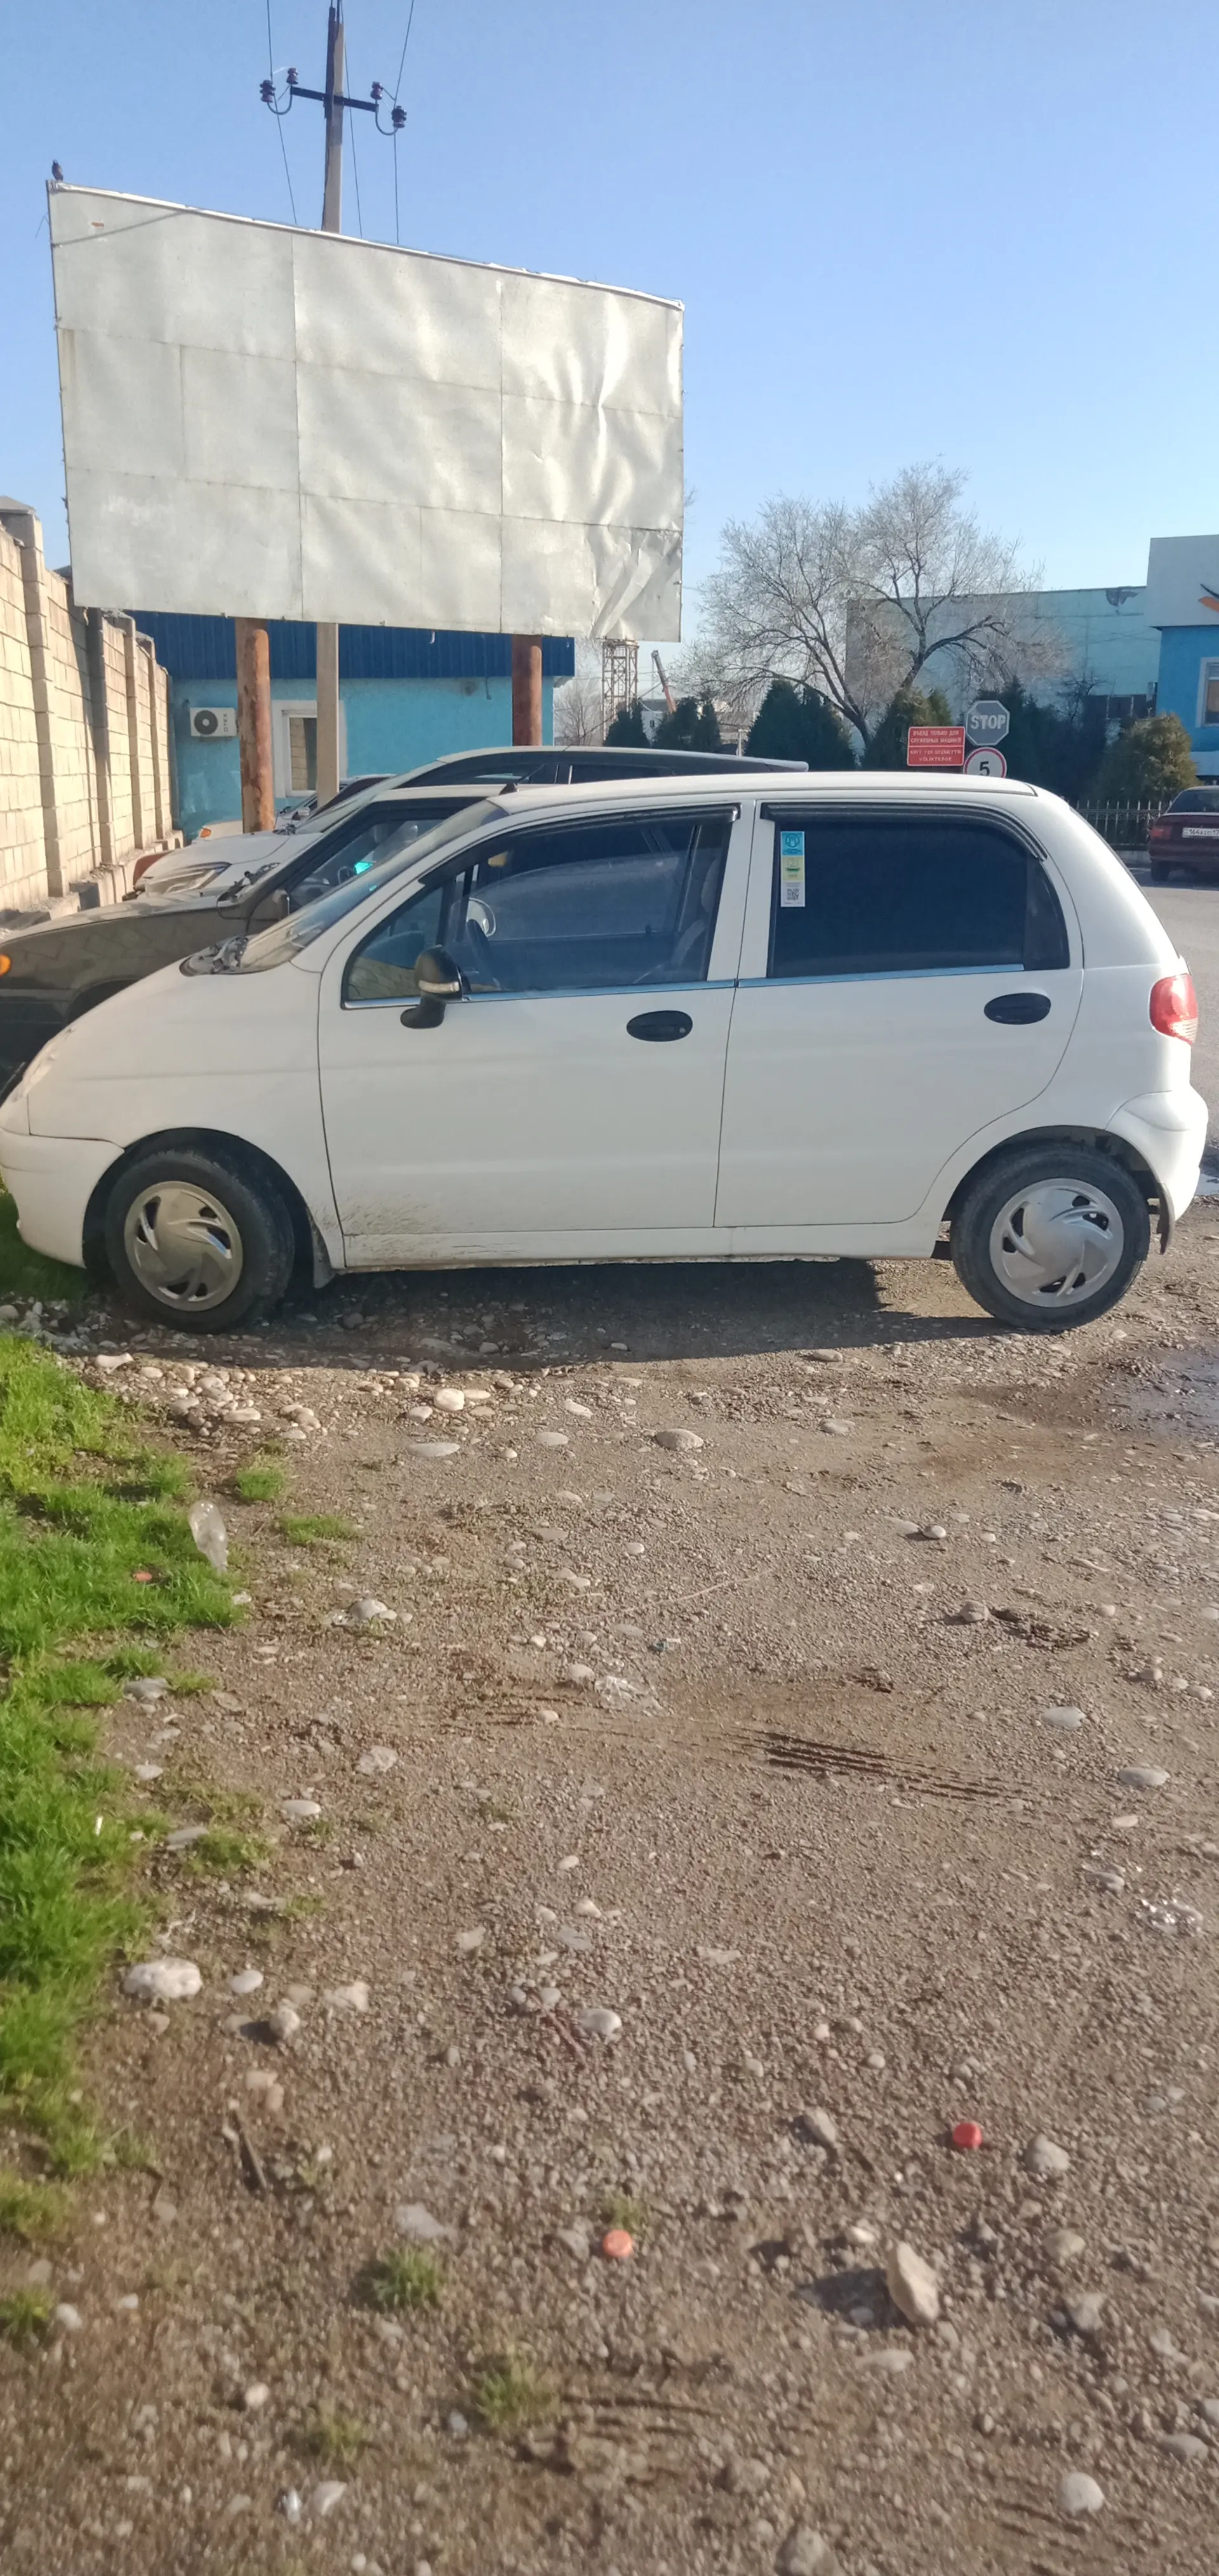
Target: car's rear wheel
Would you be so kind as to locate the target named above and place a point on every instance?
(1050, 1236)
(1160, 871)
(192, 1240)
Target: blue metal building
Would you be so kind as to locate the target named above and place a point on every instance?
(407, 696)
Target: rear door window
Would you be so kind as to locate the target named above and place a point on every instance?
(893, 894)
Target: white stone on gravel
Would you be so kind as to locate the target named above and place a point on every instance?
(365, 1612)
(681, 1439)
(552, 1440)
(577, 1676)
(246, 1982)
(284, 2023)
(575, 2241)
(807, 2553)
(351, 1999)
(300, 1811)
(468, 1942)
(256, 2396)
(412, 2219)
(912, 2286)
(68, 2318)
(325, 2496)
(1185, 2446)
(432, 1448)
(166, 1981)
(1143, 1775)
(1065, 1721)
(147, 1772)
(598, 2022)
(146, 1686)
(1087, 2311)
(891, 2360)
(183, 1836)
(450, 1399)
(379, 1757)
(1045, 2159)
(584, 1411)
(820, 2127)
(1078, 2493)
(837, 1430)
(1062, 2245)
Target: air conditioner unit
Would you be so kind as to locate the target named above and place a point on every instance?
(209, 724)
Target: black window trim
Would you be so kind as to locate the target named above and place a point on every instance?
(908, 809)
(516, 828)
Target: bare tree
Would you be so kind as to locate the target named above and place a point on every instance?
(577, 702)
(860, 603)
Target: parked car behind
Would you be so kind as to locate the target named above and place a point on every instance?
(56, 970)
(511, 764)
(1187, 835)
(747, 1017)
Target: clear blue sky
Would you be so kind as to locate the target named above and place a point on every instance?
(899, 231)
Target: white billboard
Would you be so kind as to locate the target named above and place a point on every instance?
(260, 422)
(1183, 582)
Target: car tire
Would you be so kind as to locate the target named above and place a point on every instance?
(1047, 1237)
(1159, 871)
(195, 1240)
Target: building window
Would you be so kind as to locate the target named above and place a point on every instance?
(1208, 711)
(302, 753)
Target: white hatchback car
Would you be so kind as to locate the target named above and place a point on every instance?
(730, 1018)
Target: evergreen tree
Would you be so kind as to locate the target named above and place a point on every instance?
(690, 727)
(1148, 764)
(626, 730)
(887, 747)
(796, 724)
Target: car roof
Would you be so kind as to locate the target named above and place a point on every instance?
(848, 785)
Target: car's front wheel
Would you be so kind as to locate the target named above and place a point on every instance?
(1050, 1236)
(195, 1241)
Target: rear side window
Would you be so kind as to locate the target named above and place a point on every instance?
(890, 894)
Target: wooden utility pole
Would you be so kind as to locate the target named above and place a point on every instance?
(327, 773)
(254, 725)
(526, 688)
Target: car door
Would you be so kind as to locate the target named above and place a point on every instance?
(908, 977)
(570, 1101)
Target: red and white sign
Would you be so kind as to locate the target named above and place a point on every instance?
(935, 746)
(986, 764)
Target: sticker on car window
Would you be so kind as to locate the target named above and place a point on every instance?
(791, 871)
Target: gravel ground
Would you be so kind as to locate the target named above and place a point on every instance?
(733, 1805)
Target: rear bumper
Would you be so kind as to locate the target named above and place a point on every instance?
(52, 1179)
(1168, 1128)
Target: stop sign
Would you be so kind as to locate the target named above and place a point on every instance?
(987, 722)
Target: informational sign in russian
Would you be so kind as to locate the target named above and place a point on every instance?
(987, 723)
(261, 422)
(986, 764)
(935, 746)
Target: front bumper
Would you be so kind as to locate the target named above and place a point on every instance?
(52, 1179)
(1168, 1128)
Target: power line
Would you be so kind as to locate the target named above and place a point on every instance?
(405, 42)
(399, 118)
(355, 172)
(278, 120)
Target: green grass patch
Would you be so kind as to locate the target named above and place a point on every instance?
(626, 2209)
(509, 2394)
(263, 1481)
(316, 1529)
(37, 2212)
(83, 1510)
(222, 1853)
(25, 2316)
(335, 2440)
(29, 1274)
(408, 2278)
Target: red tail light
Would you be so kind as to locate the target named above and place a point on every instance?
(1161, 832)
(1174, 1007)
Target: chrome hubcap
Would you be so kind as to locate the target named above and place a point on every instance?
(1057, 1243)
(183, 1246)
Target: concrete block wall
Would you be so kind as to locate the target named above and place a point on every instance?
(84, 733)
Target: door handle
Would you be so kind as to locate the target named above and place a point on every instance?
(660, 1025)
(1018, 1008)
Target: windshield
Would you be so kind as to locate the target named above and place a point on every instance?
(285, 939)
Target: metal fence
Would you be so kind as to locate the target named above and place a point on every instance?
(1124, 827)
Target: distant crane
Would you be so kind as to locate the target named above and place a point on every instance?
(659, 668)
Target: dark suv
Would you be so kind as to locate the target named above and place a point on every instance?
(53, 971)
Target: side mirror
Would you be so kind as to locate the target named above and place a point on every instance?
(438, 978)
(274, 906)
